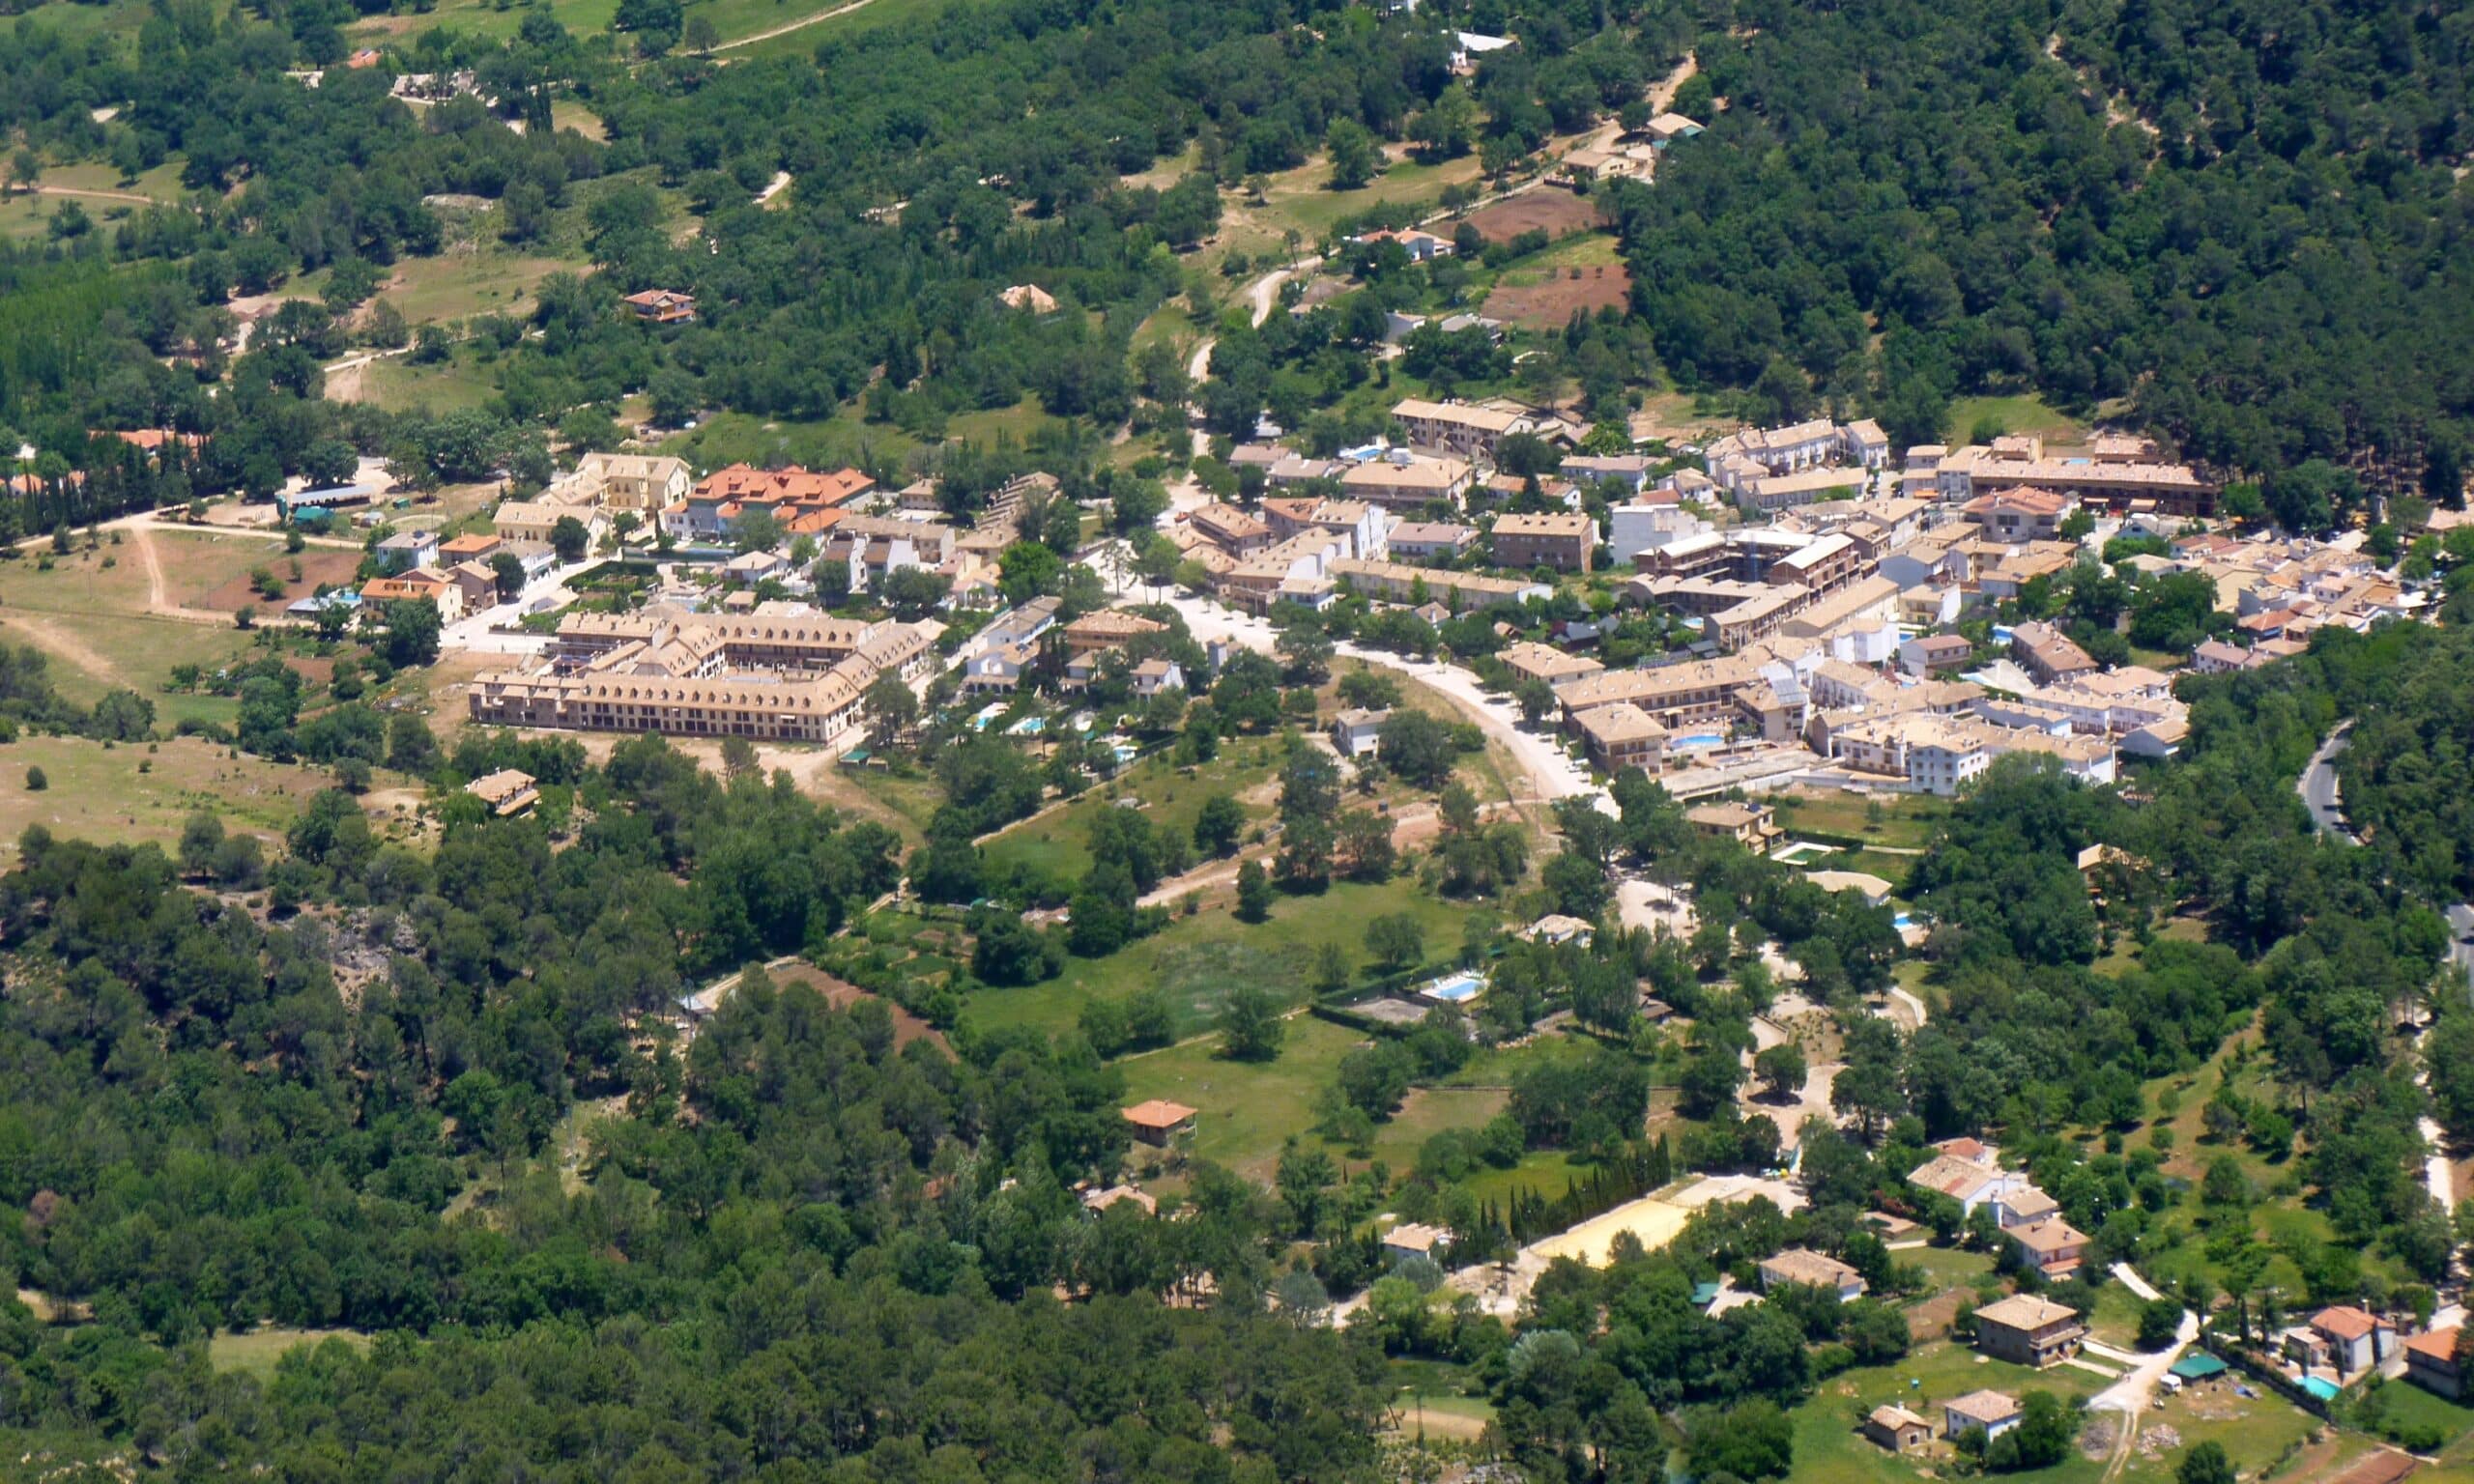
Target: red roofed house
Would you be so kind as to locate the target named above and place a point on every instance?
(2432, 1363)
(662, 307)
(1159, 1122)
(2356, 1340)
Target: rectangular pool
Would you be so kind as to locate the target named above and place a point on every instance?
(1455, 989)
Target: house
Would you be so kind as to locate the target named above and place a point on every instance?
(1421, 246)
(1156, 674)
(2028, 1329)
(1532, 661)
(1414, 1239)
(506, 792)
(2432, 1361)
(1801, 1265)
(1897, 1429)
(2050, 1244)
(1989, 1413)
(1098, 1201)
(1229, 528)
(640, 483)
(2049, 654)
(999, 668)
(1564, 540)
(473, 546)
(1667, 128)
(1622, 735)
(1556, 928)
(1028, 297)
(422, 584)
(1158, 1121)
(1752, 826)
(1934, 654)
(662, 307)
(1353, 731)
(1402, 482)
(1464, 428)
(1428, 541)
(2023, 514)
(2356, 1339)
(533, 520)
(405, 550)
(477, 586)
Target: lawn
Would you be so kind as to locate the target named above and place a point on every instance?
(1169, 795)
(1251, 1109)
(145, 791)
(2018, 415)
(1903, 823)
(257, 1351)
(399, 386)
(1827, 1446)
(1301, 200)
(458, 285)
(1199, 959)
(90, 614)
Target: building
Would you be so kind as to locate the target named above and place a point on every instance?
(1464, 428)
(2356, 1339)
(1667, 128)
(1421, 246)
(641, 482)
(507, 792)
(2050, 1244)
(1564, 541)
(1897, 1429)
(1648, 526)
(473, 546)
(1160, 1123)
(422, 584)
(405, 550)
(1229, 528)
(2028, 1329)
(2432, 1362)
(1529, 660)
(535, 520)
(1402, 482)
(2027, 513)
(1430, 540)
(1460, 591)
(1156, 674)
(2049, 654)
(1622, 736)
(1363, 525)
(661, 306)
(1768, 493)
(1356, 731)
(1752, 826)
(1414, 1239)
(2134, 483)
(1989, 1413)
(1935, 654)
(1801, 1265)
(1029, 298)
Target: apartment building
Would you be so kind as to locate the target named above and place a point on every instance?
(1403, 483)
(1364, 526)
(1564, 540)
(1693, 695)
(1465, 428)
(1229, 528)
(1430, 540)
(1622, 736)
(2121, 475)
(1458, 592)
(641, 482)
(1530, 660)
(2023, 513)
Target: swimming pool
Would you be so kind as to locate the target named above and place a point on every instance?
(1698, 739)
(1455, 989)
(1027, 726)
(1903, 922)
(2325, 1390)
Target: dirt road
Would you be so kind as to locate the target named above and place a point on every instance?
(786, 28)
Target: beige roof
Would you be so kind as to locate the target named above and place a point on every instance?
(1618, 723)
(1800, 1265)
(2048, 1235)
(1892, 1417)
(1562, 526)
(1987, 1407)
(1467, 414)
(2026, 1311)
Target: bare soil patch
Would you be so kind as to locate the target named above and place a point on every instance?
(841, 994)
(1556, 212)
(1550, 306)
(329, 567)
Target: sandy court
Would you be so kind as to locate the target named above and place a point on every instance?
(1652, 1219)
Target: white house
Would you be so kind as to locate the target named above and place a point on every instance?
(1353, 731)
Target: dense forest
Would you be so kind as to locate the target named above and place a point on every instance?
(2240, 220)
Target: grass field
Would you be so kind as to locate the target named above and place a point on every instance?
(1828, 1446)
(1199, 959)
(2020, 415)
(399, 386)
(257, 1351)
(458, 285)
(100, 793)
(1171, 797)
(1302, 201)
(1251, 1109)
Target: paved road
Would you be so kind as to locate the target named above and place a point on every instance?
(2317, 788)
(1552, 772)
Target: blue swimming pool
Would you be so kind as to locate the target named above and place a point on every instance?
(2325, 1390)
(1903, 922)
(1455, 989)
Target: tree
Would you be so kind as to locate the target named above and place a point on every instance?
(412, 631)
(1397, 941)
(37, 781)
(1253, 892)
(1219, 824)
(1350, 150)
(200, 839)
(1418, 746)
(568, 538)
(2205, 1464)
(1752, 1440)
(506, 571)
(892, 708)
(1781, 1068)
(1536, 699)
(2158, 1320)
(1250, 1026)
